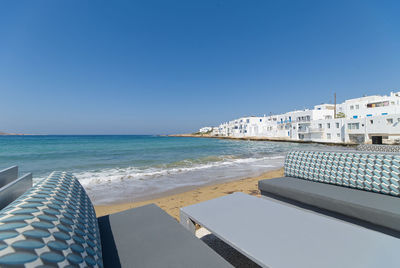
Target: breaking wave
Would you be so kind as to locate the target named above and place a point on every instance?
(115, 185)
(88, 178)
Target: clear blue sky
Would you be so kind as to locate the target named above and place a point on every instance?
(155, 67)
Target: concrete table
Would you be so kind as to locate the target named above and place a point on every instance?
(274, 234)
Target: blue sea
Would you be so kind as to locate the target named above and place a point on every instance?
(130, 168)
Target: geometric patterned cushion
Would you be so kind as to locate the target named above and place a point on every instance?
(374, 172)
(52, 224)
(379, 148)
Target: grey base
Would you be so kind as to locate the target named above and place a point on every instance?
(15, 189)
(378, 209)
(149, 237)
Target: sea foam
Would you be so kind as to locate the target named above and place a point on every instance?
(134, 183)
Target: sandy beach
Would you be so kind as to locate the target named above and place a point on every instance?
(172, 203)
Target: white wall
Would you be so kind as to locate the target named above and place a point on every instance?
(372, 106)
(313, 124)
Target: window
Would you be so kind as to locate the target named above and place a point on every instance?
(247, 120)
(328, 125)
(338, 135)
(337, 125)
(328, 136)
(378, 104)
(353, 125)
(389, 120)
(260, 120)
(319, 125)
(371, 121)
(351, 107)
(357, 106)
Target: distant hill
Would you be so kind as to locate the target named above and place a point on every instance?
(9, 134)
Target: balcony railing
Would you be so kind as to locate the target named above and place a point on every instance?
(303, 130)
(318, 129)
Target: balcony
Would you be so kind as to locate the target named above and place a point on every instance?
(303, 130)
(317, 130)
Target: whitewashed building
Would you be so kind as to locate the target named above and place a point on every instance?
(372, 119)
(310, 125)
(205, 129)
(362, 120)
(371, 106)
(377, 129)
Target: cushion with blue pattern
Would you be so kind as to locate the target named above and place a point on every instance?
(52, 224)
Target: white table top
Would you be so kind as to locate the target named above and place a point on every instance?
(274, 234)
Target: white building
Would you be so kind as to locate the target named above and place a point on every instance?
(205, 130)
(249, 126)
(372, 118)
(215, 131)
(367, 119)
(310, 125)
(383, 128)
(371, 106)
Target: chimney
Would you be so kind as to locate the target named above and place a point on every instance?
(334, 113)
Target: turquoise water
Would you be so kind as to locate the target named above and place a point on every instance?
(126, 168)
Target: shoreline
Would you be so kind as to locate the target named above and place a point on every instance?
(172, 201)
(260, 139)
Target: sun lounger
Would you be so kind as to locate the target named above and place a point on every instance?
(8, 175)
(275, 234)
(11, 187)
(332, 209)
(363, 186)
(54, 224)
(374, 208)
